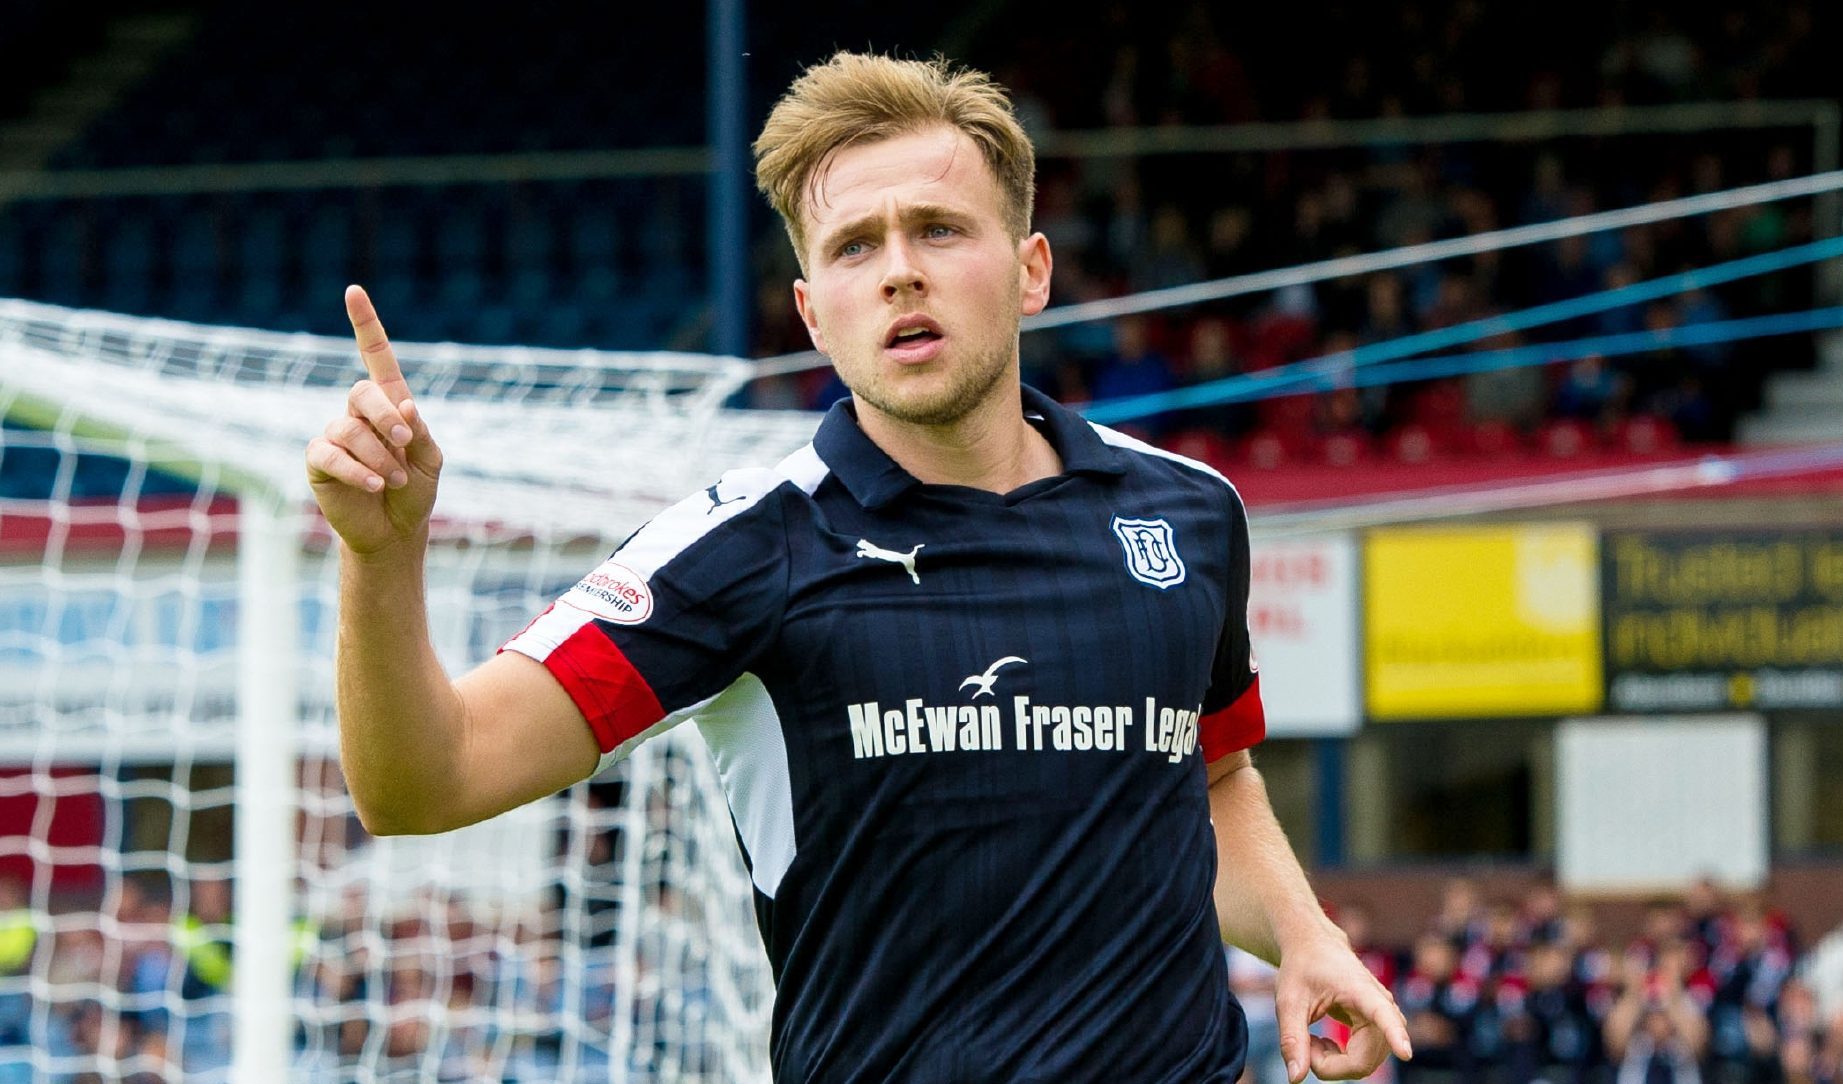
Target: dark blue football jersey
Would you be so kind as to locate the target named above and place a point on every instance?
(963, 738)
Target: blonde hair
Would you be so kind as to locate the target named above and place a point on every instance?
(863, 98)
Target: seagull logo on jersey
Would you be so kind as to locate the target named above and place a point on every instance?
(1151, 555)
(985, 680)
(906, 560)
(717, 502)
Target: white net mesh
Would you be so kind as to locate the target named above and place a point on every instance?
(605, 934)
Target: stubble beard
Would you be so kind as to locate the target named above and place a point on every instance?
(970, 383)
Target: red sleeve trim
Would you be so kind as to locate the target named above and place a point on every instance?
(613, 697)
(1239, 726)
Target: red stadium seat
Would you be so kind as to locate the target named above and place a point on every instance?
(1442, 403)
(1286, 335)
(1493, 438)
(1416, 443)
(1293, 413)
(1646, 434)
(1565, 438)
(1269, 448)
(1347, 448)
(1206, 445)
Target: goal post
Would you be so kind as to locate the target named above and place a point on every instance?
(268, 700)
(200, 899)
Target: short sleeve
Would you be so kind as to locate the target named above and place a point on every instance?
(1233, 718)
(669, 621)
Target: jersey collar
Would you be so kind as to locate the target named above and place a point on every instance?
(874, 479)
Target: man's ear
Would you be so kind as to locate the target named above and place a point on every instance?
(1034, 264)
(803, 303)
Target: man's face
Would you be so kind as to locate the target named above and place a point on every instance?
(914, 287)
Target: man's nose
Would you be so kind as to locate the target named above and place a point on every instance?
(901, 275)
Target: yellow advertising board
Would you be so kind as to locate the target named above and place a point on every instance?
(1482, 621)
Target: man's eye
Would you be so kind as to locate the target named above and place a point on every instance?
(937, 231)
(851, 248)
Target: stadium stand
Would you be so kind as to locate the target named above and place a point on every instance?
(618, 262)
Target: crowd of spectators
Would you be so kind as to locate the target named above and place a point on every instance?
(137, 986)
(600, 263)
(1711, 987)
(1121, 226)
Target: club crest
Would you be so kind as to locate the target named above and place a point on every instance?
(1151, 555)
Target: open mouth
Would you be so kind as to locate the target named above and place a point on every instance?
(913, 336)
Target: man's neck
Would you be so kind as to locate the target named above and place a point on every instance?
(991, 448)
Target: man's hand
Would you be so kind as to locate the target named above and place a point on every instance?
(374, 469)
(1322, 977)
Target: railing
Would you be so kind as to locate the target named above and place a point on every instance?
(1823, 117)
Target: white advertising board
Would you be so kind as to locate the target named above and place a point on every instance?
(1302, 620)
(1648, 804)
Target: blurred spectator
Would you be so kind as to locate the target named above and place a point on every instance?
(1459, 919)
(1591, 391)
(1543, 921)
(1357, 921)
(1441, 1007)
(1212, 359)
(18, 941)
(1656, 1033)
(1169, 258)
(1135, 367)
(1550, 1032)
(1252, 980)
(1497, 951)
(1529, 990)
(1748, 973)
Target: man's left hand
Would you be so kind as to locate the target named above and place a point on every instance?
(1320, 978)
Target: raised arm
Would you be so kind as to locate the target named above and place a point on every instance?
(421, 753)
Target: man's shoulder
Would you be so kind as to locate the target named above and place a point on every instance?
(744, 501)
(1166, 464)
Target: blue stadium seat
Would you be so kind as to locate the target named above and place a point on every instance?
(263, 242)
(128, 260)
(459, 234)
(495, 324)
(531, 239)
(258, 298)
(64, 255)
(530, 288)
(461, 289)
(594, 236)
(194, 252)
(13, 248)
(327, 242)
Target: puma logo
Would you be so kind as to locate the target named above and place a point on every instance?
(717, 502)
(906, 560)
(985, 680)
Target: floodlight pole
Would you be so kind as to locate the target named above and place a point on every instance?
(268, 703)
(726, 240)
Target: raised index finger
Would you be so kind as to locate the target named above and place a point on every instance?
(374, 346)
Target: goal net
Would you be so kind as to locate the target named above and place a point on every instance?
(185, 891)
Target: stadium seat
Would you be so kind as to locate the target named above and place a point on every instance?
(195, 253)
(1645, 434)
(1268, 448)
(1415, 443)
(1493, 438)
(1205, 445)
(1291, 413)
(1564, 438)
(1347, 448)
(1441, 403)
(62, 258)
(14, 246)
